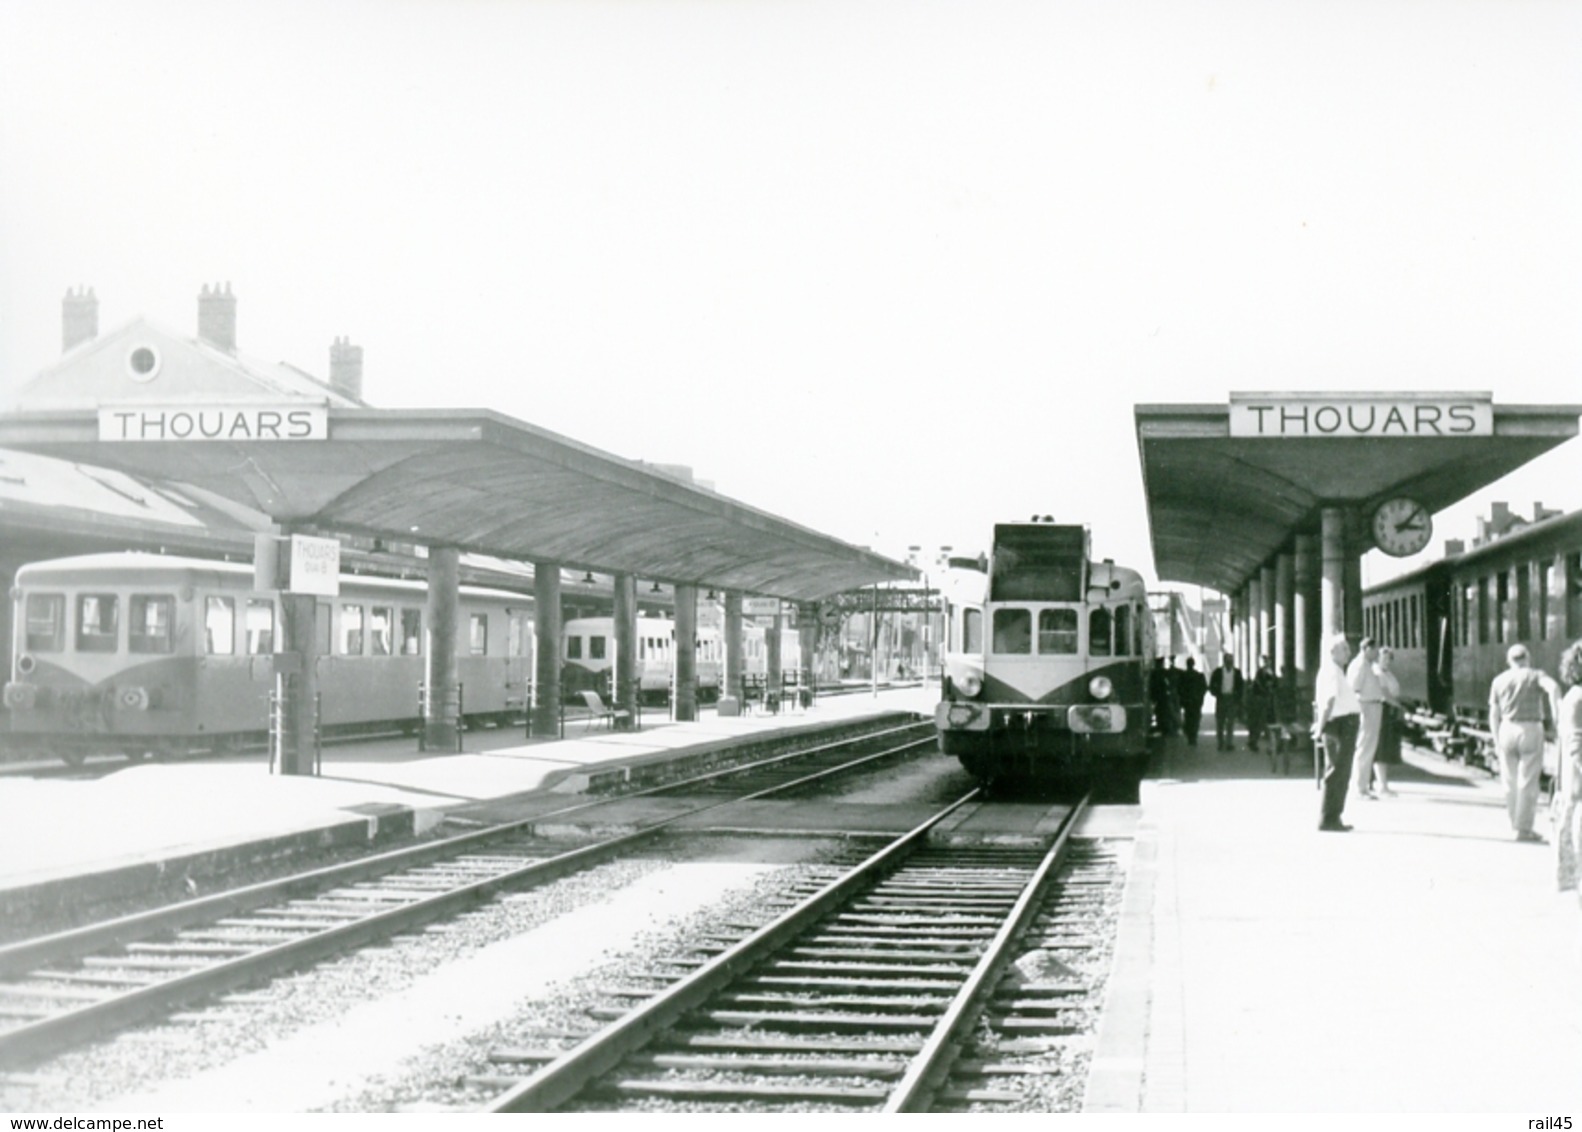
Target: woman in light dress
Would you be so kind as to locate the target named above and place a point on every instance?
(1568, 791)
(1388, 753)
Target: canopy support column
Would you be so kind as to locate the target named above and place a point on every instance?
(442, 699)
(543, 721)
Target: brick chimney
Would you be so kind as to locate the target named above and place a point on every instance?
(79, 317)
(346, 369)
(217, 317)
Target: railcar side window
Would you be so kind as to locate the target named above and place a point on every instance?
(260, 627)
(219, 626)
(1098, 632)
(573, 648)
(46, 622)
(1123, 630)
(411, 632)
(98, 617)
(1057, 631)
(151, 623)
(478, 635)
(380, 622)
(1013, 631)
(972, 630)
(352, 630)
(596, 648)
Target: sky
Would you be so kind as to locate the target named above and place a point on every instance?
(895, 270)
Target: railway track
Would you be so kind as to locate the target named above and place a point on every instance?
(863, 994)
(73, 986)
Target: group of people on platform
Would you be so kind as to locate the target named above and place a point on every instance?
(1178, 695)
(1357, 717)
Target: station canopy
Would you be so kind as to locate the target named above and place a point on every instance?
(472, 479)
(1227, 485)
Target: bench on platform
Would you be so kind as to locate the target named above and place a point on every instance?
(613, 717)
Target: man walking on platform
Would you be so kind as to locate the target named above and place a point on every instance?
(1193, 687)
(1523, 704)
(1335, 714)
(1225, 684)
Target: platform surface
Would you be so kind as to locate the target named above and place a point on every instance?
(58, 828)
(1423, 963)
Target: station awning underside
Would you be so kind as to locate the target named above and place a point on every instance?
(1219, 507)
(486, 483)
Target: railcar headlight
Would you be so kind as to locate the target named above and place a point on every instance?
(1100, 688)
(132, 699)
(20, 697)
(969, 684)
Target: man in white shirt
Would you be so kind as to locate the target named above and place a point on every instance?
(1336, 711)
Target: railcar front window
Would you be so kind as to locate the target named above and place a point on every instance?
(595, 648)
(98, 619)
(573, 648)
(972, 630)
(1057, 631)
(151, 624)
(1013, 633)
(260, 627)
(219, 626)
(46, 622)
(1099, 632)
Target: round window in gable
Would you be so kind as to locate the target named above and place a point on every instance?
(142, 363)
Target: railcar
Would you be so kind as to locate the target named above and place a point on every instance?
(1066, 648)
(1451, 623)
(588, 658)
(144, 654)
(962, 592)
(755, 654)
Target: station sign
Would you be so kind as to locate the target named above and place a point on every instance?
(301, 564)
(150, 423)
(760, 606)
(1306, 416)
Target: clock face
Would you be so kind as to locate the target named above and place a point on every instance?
(1402, 527)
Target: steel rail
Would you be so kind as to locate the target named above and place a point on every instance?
(31, 1040)
(561, 1079)
(931, 1065)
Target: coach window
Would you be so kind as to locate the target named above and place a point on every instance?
(219, 626)
(151, 623)
(46, 622)
(97, 622)
(1057, 631)
(352, 630)
(380, 622)
(260, 626)
(1542, 587)
(478, 635)
(972, 630)
(1574, 594)
(1098, 633)
(573, 648)
(1502, 606)
(1013, 631)
(1485, 610)
(1524, 602)
(596, 648)
(411, 632)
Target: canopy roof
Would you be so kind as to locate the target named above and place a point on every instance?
(1219, 506)
(487, 483)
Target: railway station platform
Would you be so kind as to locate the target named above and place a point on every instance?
(122, 828)
(1422, 963)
